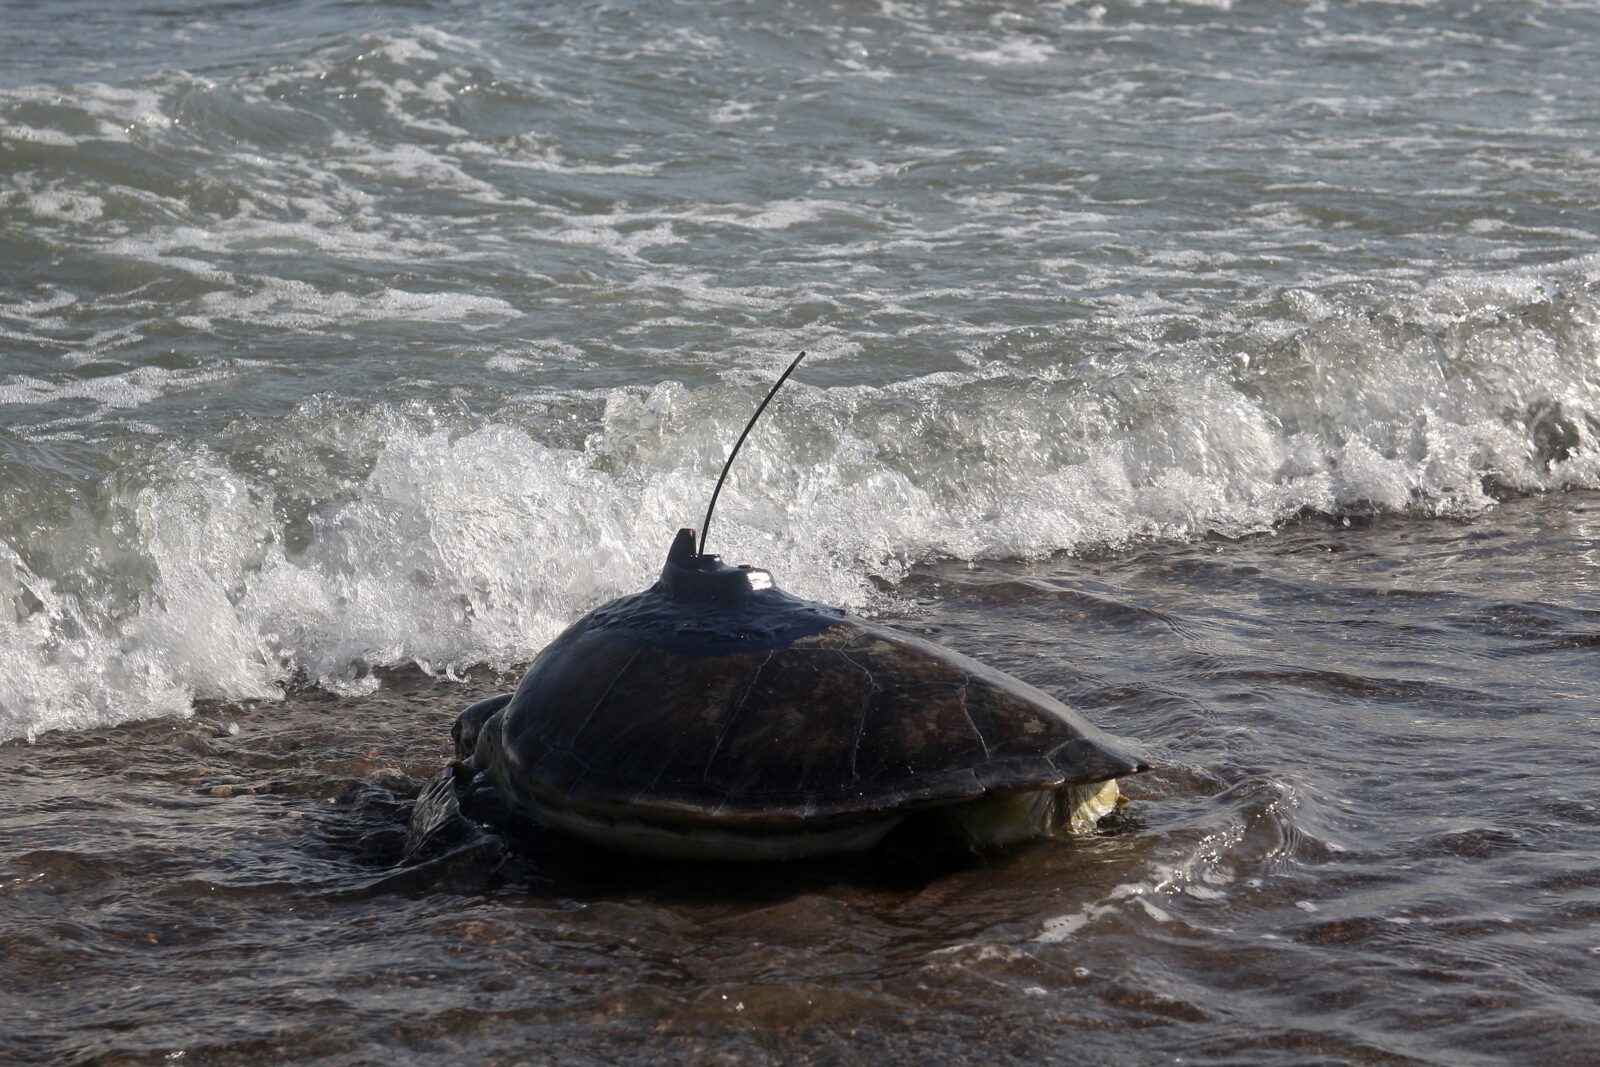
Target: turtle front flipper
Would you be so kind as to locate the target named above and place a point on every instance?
(470, 723)
(437, 823)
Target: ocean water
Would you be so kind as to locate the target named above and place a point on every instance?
(1229, 369)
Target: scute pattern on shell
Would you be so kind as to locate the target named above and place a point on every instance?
(849, 721)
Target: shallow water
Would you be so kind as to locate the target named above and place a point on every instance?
(347, 353)
(1370, 840)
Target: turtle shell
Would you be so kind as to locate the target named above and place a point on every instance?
(714, 696)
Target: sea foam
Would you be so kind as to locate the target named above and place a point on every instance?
(351, 537)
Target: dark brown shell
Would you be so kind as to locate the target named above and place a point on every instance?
(715, 696)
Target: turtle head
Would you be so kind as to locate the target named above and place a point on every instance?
(704, 576)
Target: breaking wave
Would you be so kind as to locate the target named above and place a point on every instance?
(358, 535)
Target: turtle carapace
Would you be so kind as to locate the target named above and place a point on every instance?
(716, 716)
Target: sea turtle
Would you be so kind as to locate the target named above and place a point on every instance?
(715, 716)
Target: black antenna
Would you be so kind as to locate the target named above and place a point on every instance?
(705, 527)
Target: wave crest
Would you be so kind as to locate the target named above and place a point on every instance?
(346, 538)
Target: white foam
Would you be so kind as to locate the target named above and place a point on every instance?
(1215, 5)
(854, 174)
(732, 111)
(1012, 51)
(403, 50)
(39, 314)
(126, 390)
(12, 131)
(298, 305)
(54, 202)
(782, 214)
(416, 164)
(120, 111)
(605, 232)
(527, 152)
(474, 541)
(536, 354)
